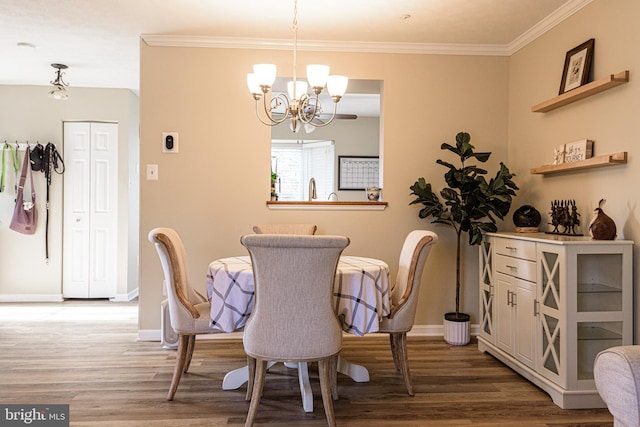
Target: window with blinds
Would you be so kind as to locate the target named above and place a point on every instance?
(297, 162)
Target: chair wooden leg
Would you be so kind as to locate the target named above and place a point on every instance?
(251, 367)
(261, 370)
(190, 347)
(394, 349)
(181, 357)
(324, 372)
(404, 361)
(334, 377)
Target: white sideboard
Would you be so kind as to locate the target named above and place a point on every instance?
(550, 303)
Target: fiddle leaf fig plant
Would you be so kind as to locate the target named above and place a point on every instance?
(469, 204)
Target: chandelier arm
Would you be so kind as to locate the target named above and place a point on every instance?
(270, 123)
(279, 99)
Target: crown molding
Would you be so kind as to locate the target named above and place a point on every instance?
(562, 13)
(565, 11)
(159, 40)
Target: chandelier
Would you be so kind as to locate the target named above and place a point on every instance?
(59, 92)
(302, 108)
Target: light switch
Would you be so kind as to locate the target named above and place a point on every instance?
(152, 172)
(170, 142)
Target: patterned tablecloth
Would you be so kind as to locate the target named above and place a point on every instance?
(361, 293)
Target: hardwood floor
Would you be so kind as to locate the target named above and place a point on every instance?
(85, 353)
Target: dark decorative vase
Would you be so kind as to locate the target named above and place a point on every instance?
(526, 218)
(602, 227)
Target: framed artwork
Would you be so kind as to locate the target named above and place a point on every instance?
(577, 66)
(358, 172)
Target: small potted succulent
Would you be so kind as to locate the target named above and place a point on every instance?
(470, 205)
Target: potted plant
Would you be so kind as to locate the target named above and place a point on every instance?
(471, 205)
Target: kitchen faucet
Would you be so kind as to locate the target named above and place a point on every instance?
(312, 189)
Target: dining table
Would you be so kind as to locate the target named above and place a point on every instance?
(361, 299)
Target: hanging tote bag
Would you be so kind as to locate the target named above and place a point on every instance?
(25, 215)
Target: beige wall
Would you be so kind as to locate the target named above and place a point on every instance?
(27, 114)
(609, 118)
(215, 189)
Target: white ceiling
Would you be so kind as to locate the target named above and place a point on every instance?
(99, 39)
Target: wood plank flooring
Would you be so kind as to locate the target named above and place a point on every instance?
(85, 353)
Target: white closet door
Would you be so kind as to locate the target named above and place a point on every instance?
(90, 210)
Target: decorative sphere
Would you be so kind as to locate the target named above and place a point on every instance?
(526, 216)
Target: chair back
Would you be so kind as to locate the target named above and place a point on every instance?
(306, 229)
(404, 294)
(293, 316)
(181, 297)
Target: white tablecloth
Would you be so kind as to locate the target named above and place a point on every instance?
(361, 293)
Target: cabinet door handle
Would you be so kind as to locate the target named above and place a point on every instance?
(509, 297)
(536, 307)
(514, 299)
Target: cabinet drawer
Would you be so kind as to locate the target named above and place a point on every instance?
(516, 267)
(516, 248)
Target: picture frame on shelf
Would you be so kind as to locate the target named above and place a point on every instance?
(577, 66)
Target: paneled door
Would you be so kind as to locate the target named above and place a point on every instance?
(90, 210)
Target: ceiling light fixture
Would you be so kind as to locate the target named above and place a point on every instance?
(299, 106)
(59, 92)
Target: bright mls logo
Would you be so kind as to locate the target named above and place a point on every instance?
(34, 415)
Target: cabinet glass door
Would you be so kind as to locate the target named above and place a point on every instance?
(550, 297)
(486, 291)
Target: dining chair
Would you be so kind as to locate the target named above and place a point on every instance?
(293, 319)
(306, 229)
(189, 310)
(404, 297)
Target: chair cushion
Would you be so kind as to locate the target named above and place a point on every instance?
(617, 377)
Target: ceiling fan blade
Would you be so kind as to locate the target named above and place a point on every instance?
(339, 116)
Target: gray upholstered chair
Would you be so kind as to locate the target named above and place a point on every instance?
(189, 311)
(293, 319)
(306, 229)
(617, 375)
(404, 297)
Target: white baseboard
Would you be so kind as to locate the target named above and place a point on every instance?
(31, 298)
(417, 331)
(126, 297)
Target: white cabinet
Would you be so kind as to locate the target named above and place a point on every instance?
(549, 304)
(90, 224)
(515, 293)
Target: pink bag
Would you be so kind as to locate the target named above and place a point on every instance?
(25, 215)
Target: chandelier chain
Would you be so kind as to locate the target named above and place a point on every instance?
(295, 38)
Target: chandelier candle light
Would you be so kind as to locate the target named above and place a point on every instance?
(299, 106)
(59, 92)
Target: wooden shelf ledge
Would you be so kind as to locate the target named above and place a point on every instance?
(327, 205)
(594, 162)
(582, 92)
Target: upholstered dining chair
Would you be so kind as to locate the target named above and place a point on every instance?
(404, 297)
(189, 311)
(293, 319)
(307, 229)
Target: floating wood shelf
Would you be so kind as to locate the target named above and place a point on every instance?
(582, 92)
(594, 162)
